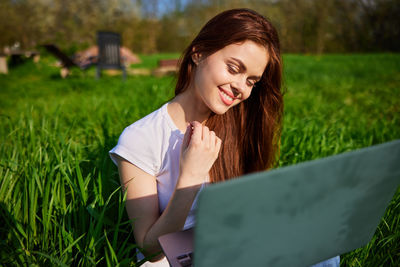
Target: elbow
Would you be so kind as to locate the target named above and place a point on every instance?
(152, 252)
(150, 247)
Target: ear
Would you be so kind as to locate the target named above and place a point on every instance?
(196, 58)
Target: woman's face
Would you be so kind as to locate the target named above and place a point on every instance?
(226, 78)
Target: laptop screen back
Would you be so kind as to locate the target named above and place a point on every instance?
(297, 215)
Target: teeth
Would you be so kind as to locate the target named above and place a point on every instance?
(227, 96)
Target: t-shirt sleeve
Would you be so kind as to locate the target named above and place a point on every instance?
(138, 146)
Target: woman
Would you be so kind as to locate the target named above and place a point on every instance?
(224, 121)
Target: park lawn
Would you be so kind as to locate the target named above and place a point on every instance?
(60, 199)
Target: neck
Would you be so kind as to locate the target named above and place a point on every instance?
(187, 107)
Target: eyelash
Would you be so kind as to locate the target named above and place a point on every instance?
(251, 84)
(234, 70)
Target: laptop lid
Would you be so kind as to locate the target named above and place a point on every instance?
(178, 247)
(297, 215)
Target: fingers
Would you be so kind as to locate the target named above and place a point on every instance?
(197, 132)
(212, 139)
(206, 137)
(201, 135)
(218, 143)
(200, 149)
(215, 143)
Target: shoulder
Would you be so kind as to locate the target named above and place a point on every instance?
(143, 142)
(151, 127)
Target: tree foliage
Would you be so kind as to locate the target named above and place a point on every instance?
(305, 26)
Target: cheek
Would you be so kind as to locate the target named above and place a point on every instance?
(225, 76)
(211, 75)
(218, 74)
(199, 80)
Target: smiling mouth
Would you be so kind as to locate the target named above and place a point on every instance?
(226, 99)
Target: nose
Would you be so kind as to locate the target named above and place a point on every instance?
(240, 88)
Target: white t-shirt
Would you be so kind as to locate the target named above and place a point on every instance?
(153, 144)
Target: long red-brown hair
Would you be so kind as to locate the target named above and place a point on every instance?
(250, 131)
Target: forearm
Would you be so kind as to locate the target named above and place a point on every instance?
(174, 216)
(200, 148)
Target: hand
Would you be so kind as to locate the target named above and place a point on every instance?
(200, 149)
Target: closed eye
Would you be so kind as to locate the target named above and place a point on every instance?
(251, 83)
(233, 69)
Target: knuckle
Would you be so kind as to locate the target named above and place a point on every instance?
(196, 143)
(196, 126)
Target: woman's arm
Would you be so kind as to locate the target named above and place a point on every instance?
(200, 149)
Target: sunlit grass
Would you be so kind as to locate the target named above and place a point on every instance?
(60, 200)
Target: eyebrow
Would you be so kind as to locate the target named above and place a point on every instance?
(242, 67)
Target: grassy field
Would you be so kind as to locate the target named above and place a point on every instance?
(60, 200)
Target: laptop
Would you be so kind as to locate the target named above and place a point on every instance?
(297, 215)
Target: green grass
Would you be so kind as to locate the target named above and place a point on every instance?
(60, 200)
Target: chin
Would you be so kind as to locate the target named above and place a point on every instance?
(220, 110)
